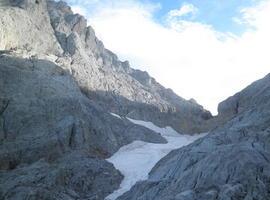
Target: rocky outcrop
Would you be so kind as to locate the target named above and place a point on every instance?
(46, 125)
(253, 96)
(232, 162)
(75, 176)
(25, 26)
(41, 101)
(58, 84)
(115, 85)
(53, 29)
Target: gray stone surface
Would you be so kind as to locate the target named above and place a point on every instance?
(58, 84)
(253, 96)
(74, 176)
(44, 116)
(44, 27)
(53, 138)
(114, 84)
(25, 26)
(232, 162)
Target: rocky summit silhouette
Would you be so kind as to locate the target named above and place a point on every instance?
(65, 101)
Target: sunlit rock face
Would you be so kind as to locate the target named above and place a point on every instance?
(53, 29)
(25, 26)
(114, 84)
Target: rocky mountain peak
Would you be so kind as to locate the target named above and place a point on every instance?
(121, 84)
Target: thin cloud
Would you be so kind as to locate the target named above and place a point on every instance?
(186, 9)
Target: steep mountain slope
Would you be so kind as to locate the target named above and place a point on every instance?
(57, 86)
(232, 162)
(46, 124)
(53, 29)
(115, 85)
(25, 26)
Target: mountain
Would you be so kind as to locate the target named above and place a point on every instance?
(115, 85)
(232, 162)
(59, 86)
(97, 71)
(67, 105)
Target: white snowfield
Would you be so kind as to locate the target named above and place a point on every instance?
(136, 160)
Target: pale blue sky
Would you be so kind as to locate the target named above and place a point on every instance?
(218, 13)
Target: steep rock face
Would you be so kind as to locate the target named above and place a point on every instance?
(115, 85)
(76, 176)
(25, 26)
(53, 29)
(183, 115)
(232, 162)
(44, 116)
(40, 101)
(253, 96)
(57, 86)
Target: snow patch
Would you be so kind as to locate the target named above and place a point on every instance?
(115, 115)
(136, 160)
